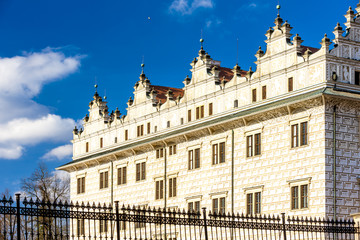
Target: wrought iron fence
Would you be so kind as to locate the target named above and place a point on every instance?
(40, 220)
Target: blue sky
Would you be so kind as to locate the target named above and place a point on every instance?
(52, 51)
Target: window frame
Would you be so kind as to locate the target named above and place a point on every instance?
(122, 175)
(299, 134)
(194, 158)
(103, 179)
(80, 187)
(172, 187)
(159, 189)
(140, 173)
(218, 153)
(253, 144)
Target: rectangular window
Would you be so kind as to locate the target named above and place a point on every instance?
(189, 115)
(253, 203)
(236, 103)
(197, 112)
(299, 196)
(140, 171)
(103, 226)
(172, 150)
(159, 189)
(87, 147)
(160, 153)
(155, 129)
(357, 78)
(104, 180)
(253, 145)
(210, 109)
(126, 135)
(168, 124)
(181, 121)
(254, 95)
(194, 159)
(122, 175)
(200, 112)
(263, 92)
(218, 154)
(101, 142)
(148, 128)
(172, 187)
(115, 140)
(194, 206)
(299, 137)
(80, 185)
(218, 205)
(140, 130)
(290, 84)
(80, 227)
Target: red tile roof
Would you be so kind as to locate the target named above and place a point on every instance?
(228, 73)
(161, 92)
(313, 50)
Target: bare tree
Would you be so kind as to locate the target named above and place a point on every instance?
(45, 185)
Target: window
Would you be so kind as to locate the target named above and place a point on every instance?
(168, 124)
(254, 95)
(155, 129)
(104, 180)
(140, 130)
(194, 206)
(172, 187)
(299, 137)
(122, 172)
(290, 84)
(87, 147)
(80, 227)
(299, 196)
(115, 140)
(199, 112)
(181, 121)
(194, 159)
(189, 115)
(253, 145)
(160, 153)
(263, 92)
(218, 205)
(101, 142)
(80, 185)
(148, 128)
(103, 226)
(140, 171)
(357, 78)
(172, 150)
(159, 189)
(210, 109)
(253, 203)
(236, 103)
(218, 153)
(126, 134)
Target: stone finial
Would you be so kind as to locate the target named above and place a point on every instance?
(297, 41)
(223, 82)
(117, 113)
(236, 70)
(259, 53)
(307, 54)
(215, 71)
(286, 28)
(269, 32)
(325, 43)
(249, 73)
(202, 52)
(170, 95)
(187, 80)
(338, 31)
(153, 94)
(350, 15)
(75, 131)
(86, 118)
(130, 102)
(194, 62)
(278, 21)
(358, 8)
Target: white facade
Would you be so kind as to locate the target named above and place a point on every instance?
(276, 126)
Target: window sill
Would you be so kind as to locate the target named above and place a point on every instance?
(299, 147)
(217, 164)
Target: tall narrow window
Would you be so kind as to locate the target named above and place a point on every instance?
(218, 154)
(104, 180)
(172, 187)
(159, 189)
(148, 128)
(263, 92)
(290, 84)
(218, 205)
(87, 147)
(80, 185)
(253, 145)
(101, 142)
(299, 196)
(202, 112)
(160, 153)
(140, 171)
(236, 103)
(299, 137)
(181, 121)
(194, 206)
(194, 159)
(197, 112)
(140, 130)
(115, 140)
(168, 124)
(189, 115)
(210, 109)
(155, 129)
(253, 203)
(172, 150)
(126, 134)
(254, 95)
(122, 175)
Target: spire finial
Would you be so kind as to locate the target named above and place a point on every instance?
(142, 65)
(96, 85)
(237, 51)
(278, 7)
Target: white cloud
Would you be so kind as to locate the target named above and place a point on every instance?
(23, 121)
(187, 7)
(59, 153)
(252, 5)
(212, 22)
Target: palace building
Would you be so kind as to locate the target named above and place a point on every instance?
(281, 138)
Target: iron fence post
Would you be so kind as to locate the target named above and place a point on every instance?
(284, 225)
(18, 215)
(205, 224)
(117, 220)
